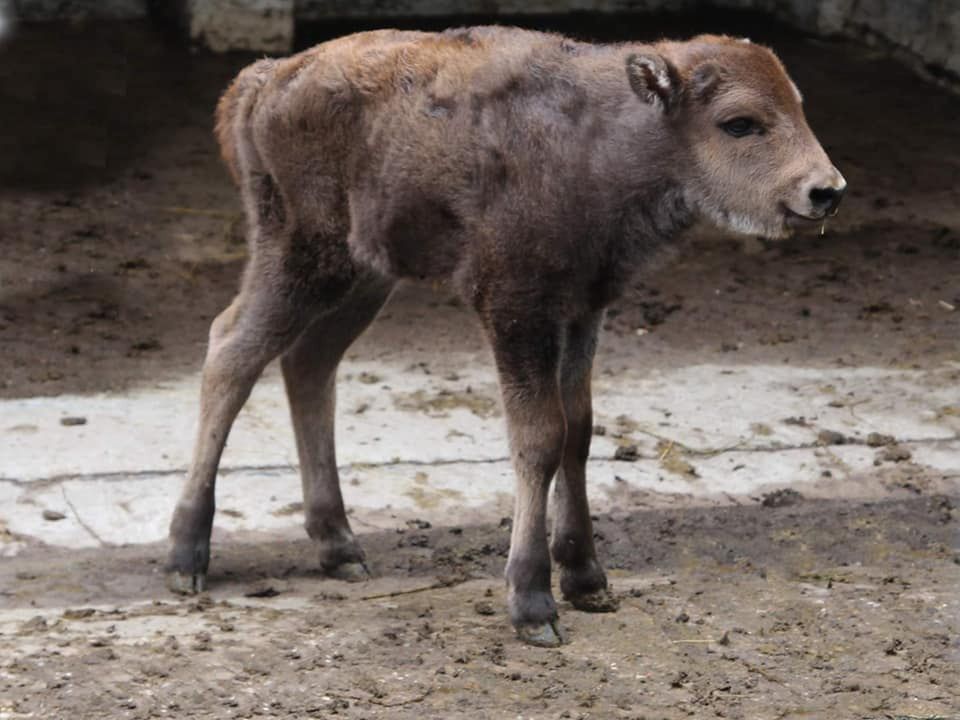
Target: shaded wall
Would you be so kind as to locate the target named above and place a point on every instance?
(924, 33)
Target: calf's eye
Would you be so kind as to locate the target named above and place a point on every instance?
(739, 127)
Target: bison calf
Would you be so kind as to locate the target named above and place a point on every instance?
(537, 174)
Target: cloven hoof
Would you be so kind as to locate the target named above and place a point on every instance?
(349, 572)
(186, 583)
(546, 635)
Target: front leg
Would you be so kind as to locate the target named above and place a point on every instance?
(527, 355)
(582, 579)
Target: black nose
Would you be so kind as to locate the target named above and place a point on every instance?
(826, 199)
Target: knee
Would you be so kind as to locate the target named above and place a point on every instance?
(221, 326)
(540, 446)
(227, 360)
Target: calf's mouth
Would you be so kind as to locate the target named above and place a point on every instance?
(793, 219)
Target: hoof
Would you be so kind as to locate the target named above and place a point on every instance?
(598, 601)
(349, 572)
(545, 635)
(186, 583)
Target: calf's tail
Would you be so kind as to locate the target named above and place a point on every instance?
(233, 131)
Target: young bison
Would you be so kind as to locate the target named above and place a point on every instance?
(537, 174)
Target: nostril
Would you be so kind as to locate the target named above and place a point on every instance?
(827, 198)
(822, 196)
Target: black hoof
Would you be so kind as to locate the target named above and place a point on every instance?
(349, 572)
(545, 635)
(186, 583)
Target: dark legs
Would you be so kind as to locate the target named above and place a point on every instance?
(528, 357)
(582, 579)
(545, 379)
(309, 372)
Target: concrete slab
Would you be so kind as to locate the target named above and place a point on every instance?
(414, 444)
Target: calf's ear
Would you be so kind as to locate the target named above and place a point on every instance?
(653, 79)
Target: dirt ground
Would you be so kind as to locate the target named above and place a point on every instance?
(122, 239)
(826, 610)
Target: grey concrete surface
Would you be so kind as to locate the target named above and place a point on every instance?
(417, 444)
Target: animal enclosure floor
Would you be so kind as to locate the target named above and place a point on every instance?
(832, 591)
(829, 609)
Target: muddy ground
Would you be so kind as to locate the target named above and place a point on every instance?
(121, 239)
(827, 610)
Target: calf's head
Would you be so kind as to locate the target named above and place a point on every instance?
(752, 164)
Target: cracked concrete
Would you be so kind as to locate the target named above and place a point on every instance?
(703, 431)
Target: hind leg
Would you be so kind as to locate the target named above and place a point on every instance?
(253, 330)
(309, 373)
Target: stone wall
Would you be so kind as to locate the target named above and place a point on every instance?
(265, 25)
(925, 33)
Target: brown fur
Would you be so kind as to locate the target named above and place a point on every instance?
(535, 172)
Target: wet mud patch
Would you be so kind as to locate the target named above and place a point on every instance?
(441, 403)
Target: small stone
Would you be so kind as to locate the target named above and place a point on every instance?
(831, 437)
(879, 440)
(784, 497)
(484, 607)
(417, 540)
(627, 453)
(599, 430)
(202, 642)
(78, 613)
(262, 591)
(53, 515)
(895, 453)
(72, 421)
